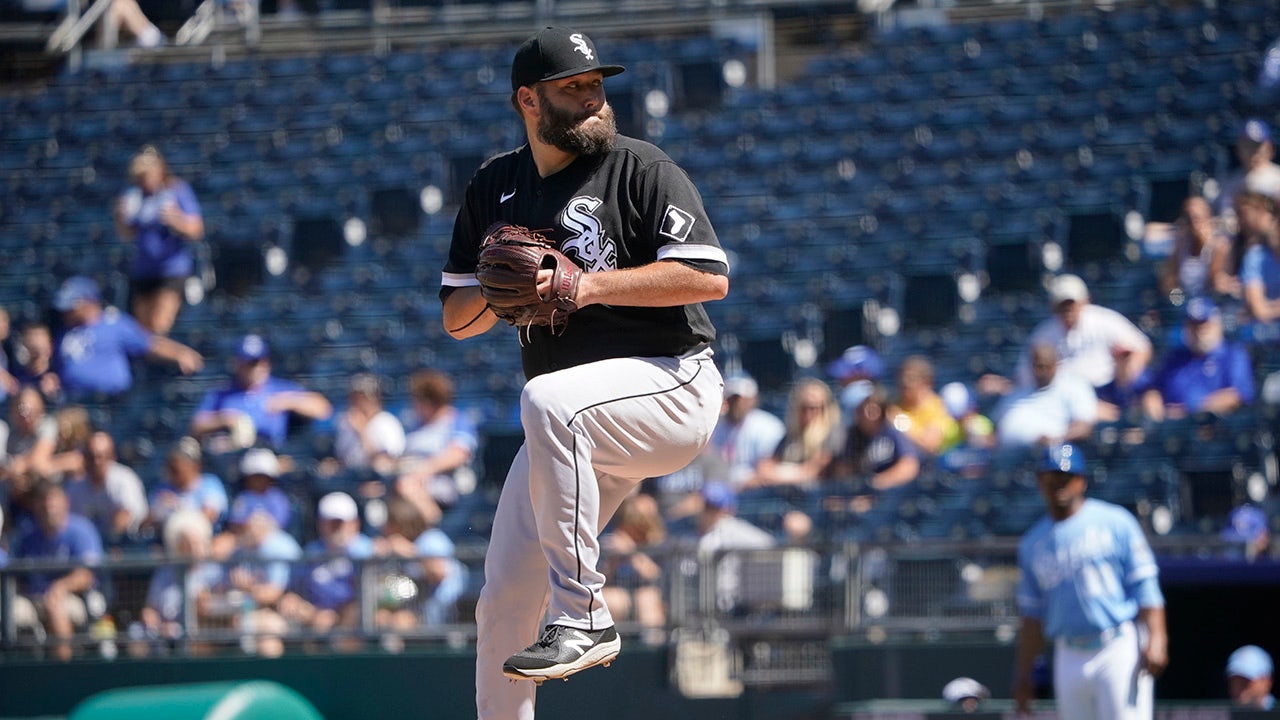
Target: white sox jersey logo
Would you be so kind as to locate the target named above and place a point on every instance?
(580, 45)
(593, 251)
(579, 642)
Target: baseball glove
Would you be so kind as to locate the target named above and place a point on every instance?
(510, 258)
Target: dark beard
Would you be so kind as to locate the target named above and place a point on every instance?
(566, 131)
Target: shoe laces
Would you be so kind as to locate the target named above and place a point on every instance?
(549, 636)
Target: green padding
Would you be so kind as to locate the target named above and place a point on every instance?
(252, 700)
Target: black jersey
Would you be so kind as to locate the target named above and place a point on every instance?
(626, 208)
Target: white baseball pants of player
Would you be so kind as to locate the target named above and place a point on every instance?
(1105, 683)
(592, 433)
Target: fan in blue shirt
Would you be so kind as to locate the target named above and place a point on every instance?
(1203, 373)
(93, 352)
(255, 406)
(57, 535)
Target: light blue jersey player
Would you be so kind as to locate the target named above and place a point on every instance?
(1087, 575)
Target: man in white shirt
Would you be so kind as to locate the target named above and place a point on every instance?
(110, 494)
(368, 435)
(745, 433)
(1058, 407)
(1092, 342)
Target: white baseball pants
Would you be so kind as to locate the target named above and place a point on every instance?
(592, 433)
(1103, 684)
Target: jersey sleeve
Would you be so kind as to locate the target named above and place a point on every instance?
(464, 249)
(133, 337)
(1141, 574)
(675, 221)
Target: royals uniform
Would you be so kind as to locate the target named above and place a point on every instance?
(1085, 578)
(625, 393)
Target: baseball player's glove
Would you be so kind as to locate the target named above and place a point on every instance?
(510, 258)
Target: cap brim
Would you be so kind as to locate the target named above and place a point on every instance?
(606, 70)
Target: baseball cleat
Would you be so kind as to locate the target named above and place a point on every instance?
(561, 652)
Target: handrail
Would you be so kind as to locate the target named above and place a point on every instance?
(71, 31)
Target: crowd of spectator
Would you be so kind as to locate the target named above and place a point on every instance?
(247, 557)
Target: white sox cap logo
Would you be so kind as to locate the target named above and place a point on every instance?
(579, 641)
(580, 45)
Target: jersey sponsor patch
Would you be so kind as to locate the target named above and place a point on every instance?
(676, 224)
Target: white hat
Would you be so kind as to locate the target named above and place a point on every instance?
(957, 398)
(260, 461)
(741, 385)
(337, 506)
(1067, 287)
(964, 687)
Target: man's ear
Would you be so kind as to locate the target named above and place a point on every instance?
(526, 99)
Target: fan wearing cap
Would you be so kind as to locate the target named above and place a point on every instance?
(875, 455)
(255, 405)
(965, 693)
(1205, 372)
(628, 390)
(259, 471)
(187, 487)
(1090, 583)
(1248, 527)
(859, 362)
(1257, 171)
(326, 593)
(746, 433)
(1249, 670)
(1094, 343)
(97, 342)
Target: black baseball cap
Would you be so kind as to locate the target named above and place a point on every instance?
(554, 53)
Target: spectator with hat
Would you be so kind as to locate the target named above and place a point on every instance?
(1257, 171)
(95, 347)
(968, 450)
(1248, 527)
(1203, 372)
(875, 455)
(965, 694)
(1094, 343)
(720, 532)
(187, 486)
(1249, 670)
(259, 471)
(325, 596)
(745, 433)
(859, 362)
(255, 405)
